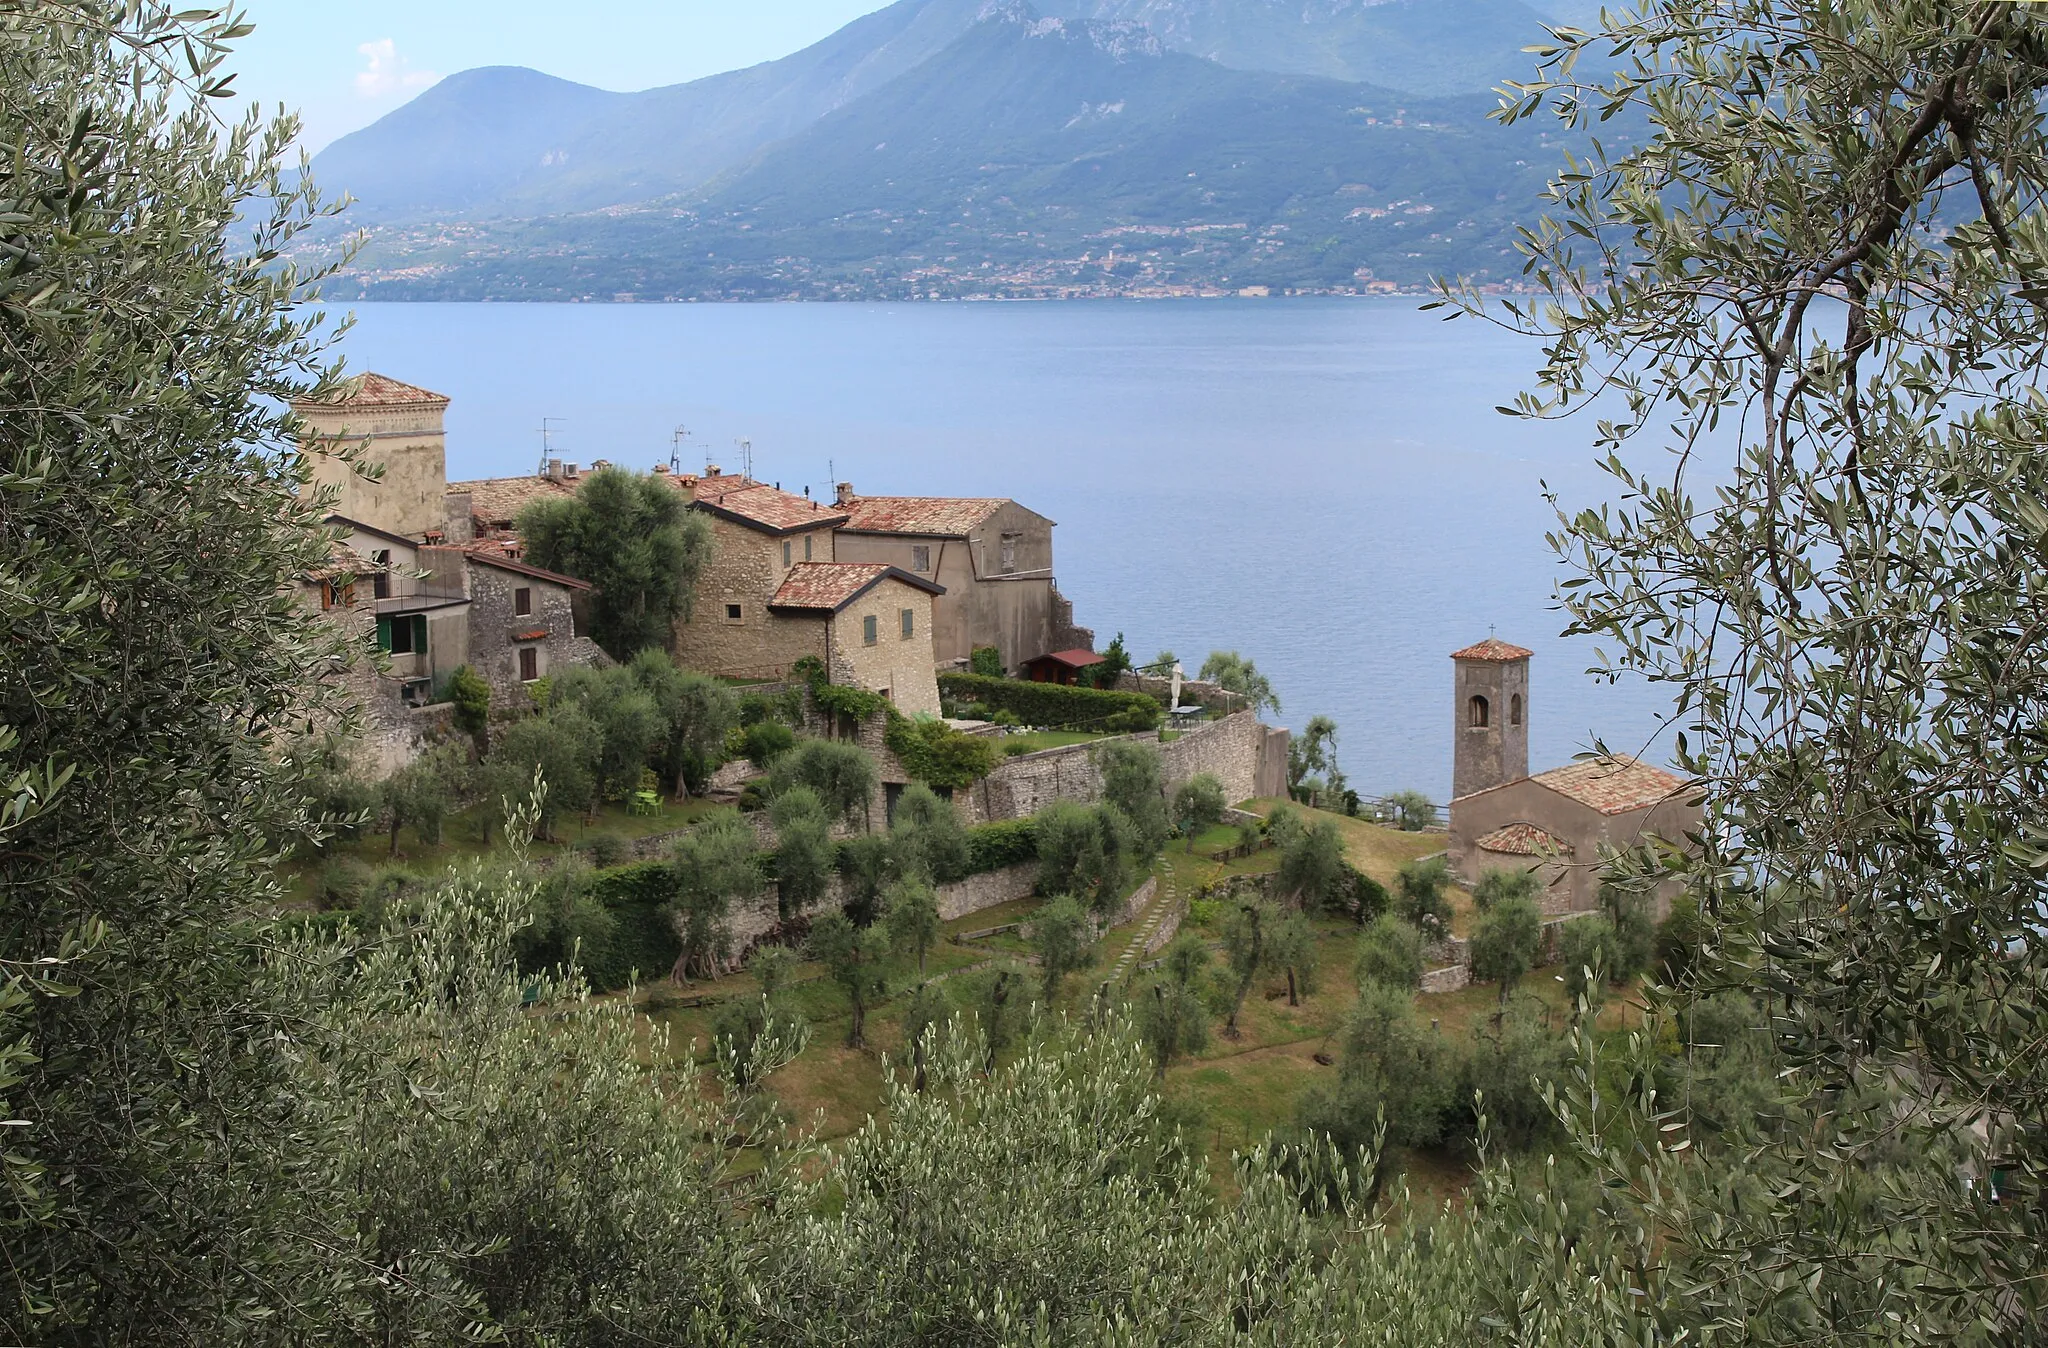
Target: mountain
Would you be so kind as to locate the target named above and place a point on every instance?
(1032, 155)
(1416, 46)
(504, 141)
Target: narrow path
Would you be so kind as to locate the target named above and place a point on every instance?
(1163, 899)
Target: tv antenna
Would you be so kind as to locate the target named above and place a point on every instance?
(746, 449)
(675, 448)
(547, 441)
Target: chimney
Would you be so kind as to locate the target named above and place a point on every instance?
(712, 470)
(845, 494)
(661, 470)
(554, 470)
(599, 465)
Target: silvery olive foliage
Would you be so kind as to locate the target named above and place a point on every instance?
(1802, 277)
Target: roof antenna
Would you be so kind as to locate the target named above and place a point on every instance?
(547, 442)
(746, 449)
(675, 448)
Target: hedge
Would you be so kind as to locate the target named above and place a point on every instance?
(643, 940)
(1056, 705)
(993, 847)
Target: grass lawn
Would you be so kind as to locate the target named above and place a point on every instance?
(1379, 852)
(462, 840)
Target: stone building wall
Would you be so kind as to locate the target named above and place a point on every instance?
(494, 623)
(411, 445)
(901, 665)
(1571, 882)
(746, 569)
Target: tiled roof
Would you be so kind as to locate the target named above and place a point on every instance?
(937, 516)
(491, 552)
(1614, 784)
(1523, 840)
(831, 586)
(497, 501)
(375, 390)
(1492, 649)
(1075, 659)
(343, 560)
(760, 506)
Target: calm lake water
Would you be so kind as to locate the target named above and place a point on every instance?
(1321, 484)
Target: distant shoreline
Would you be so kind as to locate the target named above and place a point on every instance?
(625, 301)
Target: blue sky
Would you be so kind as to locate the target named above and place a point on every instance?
(345, 63)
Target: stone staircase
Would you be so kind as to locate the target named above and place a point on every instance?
(1165, 898)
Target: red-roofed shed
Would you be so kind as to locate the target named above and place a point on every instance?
(1060, 666)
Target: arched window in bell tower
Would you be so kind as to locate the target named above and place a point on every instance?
(1515, 709)
(1480, 713)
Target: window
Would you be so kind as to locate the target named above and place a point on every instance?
(405, 634)
(529, 663)
(807, 547)
(381, 585)
(334, 594)
(522, 601)
(1479, 713)
(909, 623)
(786, 548)
(1010, 552)
(732, 613)
(867, 630)
(921, 559)
(1515, 710)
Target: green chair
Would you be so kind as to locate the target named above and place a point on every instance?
(645, 802)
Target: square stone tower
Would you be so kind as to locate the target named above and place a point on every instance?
(1491, 730)
(404, 430)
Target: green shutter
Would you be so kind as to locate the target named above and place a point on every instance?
(384, 635)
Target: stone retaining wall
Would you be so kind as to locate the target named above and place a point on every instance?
(1234, 750)
(1168, 928)
(1134, 905)
(1453, 979)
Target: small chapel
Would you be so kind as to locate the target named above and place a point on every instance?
(1554, 823)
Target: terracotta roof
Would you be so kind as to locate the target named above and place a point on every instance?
(1492, 649)
(760, 506)
(937, 516)
(375, 390)
(497, 501)
(1615, 784)
(343, 560)
(492, 553)
(831, 586)
(1523, 840)
(357, 526)
(1075, 659)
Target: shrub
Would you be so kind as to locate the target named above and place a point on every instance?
(765, 741)
(993, 847)
(934, 753)
(340, 884)
(472, 699)
(1507, 1067)
(927, 838)
(1391, 1064)
(1499, 883)
(1419, 896)
(1505, 942)
(642, 940)
(1679, 937)
(1390, 955)
(1052, 704)
(1413, 812)
(987, 662)
(1368, 896)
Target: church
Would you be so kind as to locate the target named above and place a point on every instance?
(1557, 822)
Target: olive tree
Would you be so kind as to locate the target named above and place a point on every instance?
(633, 537)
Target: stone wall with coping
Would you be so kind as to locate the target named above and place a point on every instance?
(1229, 749)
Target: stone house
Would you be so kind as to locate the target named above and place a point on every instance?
(522, 623)
(424, 595)
(1554, 823)
(871, 624)
(993, 558)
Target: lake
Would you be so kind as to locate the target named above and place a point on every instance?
(1323, 485)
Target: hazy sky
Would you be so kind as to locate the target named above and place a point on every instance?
(343, 65)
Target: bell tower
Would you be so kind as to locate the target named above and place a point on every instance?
(1491, 707)
(399, 428)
